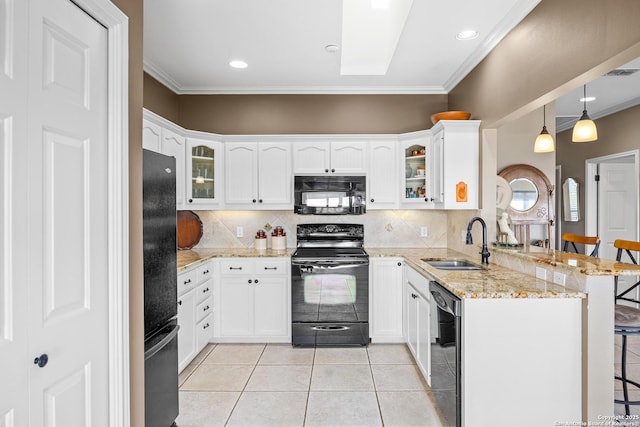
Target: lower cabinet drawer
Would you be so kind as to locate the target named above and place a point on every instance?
(204, 331)
(204, 291)
(204, 309)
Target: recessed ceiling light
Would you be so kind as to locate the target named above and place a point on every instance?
(467, 35)
(331, 48)
(588, 99)
(237, 63)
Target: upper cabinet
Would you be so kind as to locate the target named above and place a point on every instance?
(456, 152)
(258, 175)
(382, 189)
(322, 157)
(204, 160)
(416, 163)
(437, 168)
(441, 167)
(165, 140)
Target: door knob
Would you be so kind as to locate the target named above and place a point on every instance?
(41, 361)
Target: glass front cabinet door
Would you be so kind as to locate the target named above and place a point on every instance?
(203, 181)
(417, 186)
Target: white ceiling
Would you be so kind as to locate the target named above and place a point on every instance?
(613, 94)
(189, 43)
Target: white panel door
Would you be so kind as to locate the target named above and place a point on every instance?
(274, 177)
(617, 206)
(271, 306)
(382, 189)
(617, 213)
(311, 157)
(67, 212)
(241, 174)
(349, 157)
(14, 169)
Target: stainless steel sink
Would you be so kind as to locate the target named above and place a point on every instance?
(452, 264)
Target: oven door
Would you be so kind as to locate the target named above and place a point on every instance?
(330, 302)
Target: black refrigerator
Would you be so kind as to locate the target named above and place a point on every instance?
(160, 289)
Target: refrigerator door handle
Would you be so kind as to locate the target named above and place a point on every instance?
(162, 343)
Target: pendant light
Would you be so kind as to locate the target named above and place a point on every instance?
(544, 142)
(585, 130)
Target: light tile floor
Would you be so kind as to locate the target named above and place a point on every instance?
(278, 385)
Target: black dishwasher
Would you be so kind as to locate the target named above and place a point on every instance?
(446, 353)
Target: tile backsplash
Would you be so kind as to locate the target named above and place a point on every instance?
(384, 228)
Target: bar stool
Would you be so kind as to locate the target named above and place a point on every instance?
(585, 240)
(627, 321)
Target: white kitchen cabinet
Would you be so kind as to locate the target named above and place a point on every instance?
(164, 137)
(455, 150)
(204, 161)
(417, 187)
(195, 294)
(418, 300)
(254, 301)
(325, 157)
(441, 167)
(382, 179)
(151, 136)
(173, 144)
(258, 175)
(387, 300)
(187, 332)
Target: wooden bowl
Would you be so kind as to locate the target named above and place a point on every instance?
(450, 115)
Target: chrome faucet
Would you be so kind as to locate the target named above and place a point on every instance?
(485, 251)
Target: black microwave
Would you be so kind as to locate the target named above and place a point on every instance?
(330, 195)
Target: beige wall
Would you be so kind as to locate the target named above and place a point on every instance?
(559, 46)
(304, 114)
(134, 10)
(617, 133)
(160, 99)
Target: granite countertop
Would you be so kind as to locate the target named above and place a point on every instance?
(493, 281)
(585, 264)
(191, 257)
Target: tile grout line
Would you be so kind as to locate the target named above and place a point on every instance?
(235, 405)
(306, 405)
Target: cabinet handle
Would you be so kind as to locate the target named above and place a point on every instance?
(326, 171)
(205, 326)
(414, 296)
(250, 281)
(180, 302)
(235, 268)
(204, 291)
(333, 170)
(190, 200)
(399, 264)
(41, 360)
(256, 281)
(186, 282)
(254, 200)
(205, 272)
(206, 308)
(259, 200)
(271, 268)
(372, 200)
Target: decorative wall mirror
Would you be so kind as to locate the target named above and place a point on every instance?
(571, 201)
(531, 200)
